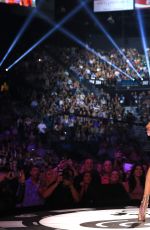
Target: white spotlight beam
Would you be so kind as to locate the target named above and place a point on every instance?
(50, 32)
(143, 38)
(101, 27)
(20, 33)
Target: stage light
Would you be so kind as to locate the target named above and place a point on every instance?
(101, 27)
(20, 33)
(143, 38)
(51, 31)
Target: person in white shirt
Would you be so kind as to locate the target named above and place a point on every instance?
(42, 128)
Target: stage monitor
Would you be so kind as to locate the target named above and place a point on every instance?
(113, 5)
(142, 4)
(25, 3)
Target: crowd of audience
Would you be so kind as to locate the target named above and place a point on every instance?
(71, 184)
(56, 105)
(98, 67)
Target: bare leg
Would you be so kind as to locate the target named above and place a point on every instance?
(145, 200)
(143, 208)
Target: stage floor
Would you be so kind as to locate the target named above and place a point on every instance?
(77, 219)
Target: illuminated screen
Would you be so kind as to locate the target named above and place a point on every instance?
(142, 4)
(30, 3)
(113, 5)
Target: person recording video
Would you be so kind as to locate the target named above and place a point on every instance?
(59, 190)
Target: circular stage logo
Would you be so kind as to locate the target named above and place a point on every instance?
(97, 219)
(78, 219)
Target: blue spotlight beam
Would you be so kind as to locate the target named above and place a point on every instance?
(78, 41)
(82, 44)
(101, 27)
(143, 37)
(20, 33)
(50, 32)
